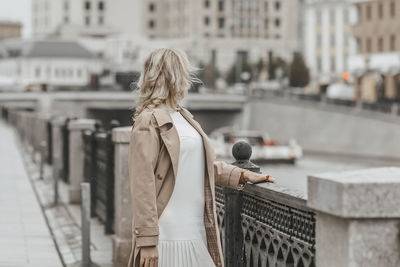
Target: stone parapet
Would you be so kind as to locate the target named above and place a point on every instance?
(357, 217)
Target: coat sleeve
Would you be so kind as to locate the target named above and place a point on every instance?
(143, 152)
(227, 175)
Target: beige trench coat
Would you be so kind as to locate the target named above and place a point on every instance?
(153, 164)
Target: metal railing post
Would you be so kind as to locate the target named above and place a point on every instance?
(85, 211)
(42, 159)
(234, 253)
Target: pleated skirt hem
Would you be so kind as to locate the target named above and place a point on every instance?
(183, 253)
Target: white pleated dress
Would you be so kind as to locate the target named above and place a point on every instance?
(182, 238)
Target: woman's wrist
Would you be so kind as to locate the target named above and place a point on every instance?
(242, 178)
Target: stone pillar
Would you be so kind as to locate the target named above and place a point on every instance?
(357, 217)
(57, 145)
(77, 156)
(122, 202)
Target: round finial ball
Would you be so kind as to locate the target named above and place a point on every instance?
(241, 150)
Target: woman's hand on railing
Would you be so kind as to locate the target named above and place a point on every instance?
(253, 177)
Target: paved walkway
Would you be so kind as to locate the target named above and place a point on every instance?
(25, 239)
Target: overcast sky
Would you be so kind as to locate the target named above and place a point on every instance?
(17, 10)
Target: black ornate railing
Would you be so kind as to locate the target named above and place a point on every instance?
(65, 150)
(99, 171)
(49, 142)
(265, 225)
(88, 165)
(376, 106)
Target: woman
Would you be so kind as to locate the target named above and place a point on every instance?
(173, 172)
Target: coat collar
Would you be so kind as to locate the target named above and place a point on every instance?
(171, 137)
(162, 113)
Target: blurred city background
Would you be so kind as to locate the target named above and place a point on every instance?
(312, 85)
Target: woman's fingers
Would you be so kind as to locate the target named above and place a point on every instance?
(258, 178)
(154, 262)
(147, 262)
(270, 179)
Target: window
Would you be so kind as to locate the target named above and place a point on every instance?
(392, 42)
(221, 22)
(66, 19)
(101, 20)
(221, 5)
(79, 73)
(332, 39)
(152, 24)
(87, 5)
(380, 10)
(37, 72)
(87, 20)
(332, 16)
(319, 17)
(333, 65)
(277, 5)
(319, 40)
(266, 22)
(359, 45)
(368, 45)
(265, 6)
(206, 3)
(66, 5)
(152, 7)
(319, 63)
(393, 9)
(101, 6)
(206, 20)
(277, 22)
(369, 12)
(380, 44)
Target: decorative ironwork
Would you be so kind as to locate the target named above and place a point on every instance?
(264, 225)
(378, 106)
(89, 170)
(65, 151)
(49, 142)
(104, 169)
(276, 234)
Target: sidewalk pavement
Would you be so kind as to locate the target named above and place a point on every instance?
(25, 238)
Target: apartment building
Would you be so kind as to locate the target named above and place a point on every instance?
(328, 41)
(209, 31)
(220, 30)
(377, 35)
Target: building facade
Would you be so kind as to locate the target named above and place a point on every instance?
(88, 18)
(10, 30)
(328, 41)
(378, 35)
(219, 31)
(54, 63)
(209, 31)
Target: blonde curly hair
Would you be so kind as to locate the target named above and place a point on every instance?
(166, 78)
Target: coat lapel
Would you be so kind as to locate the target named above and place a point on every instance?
(171, 138)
